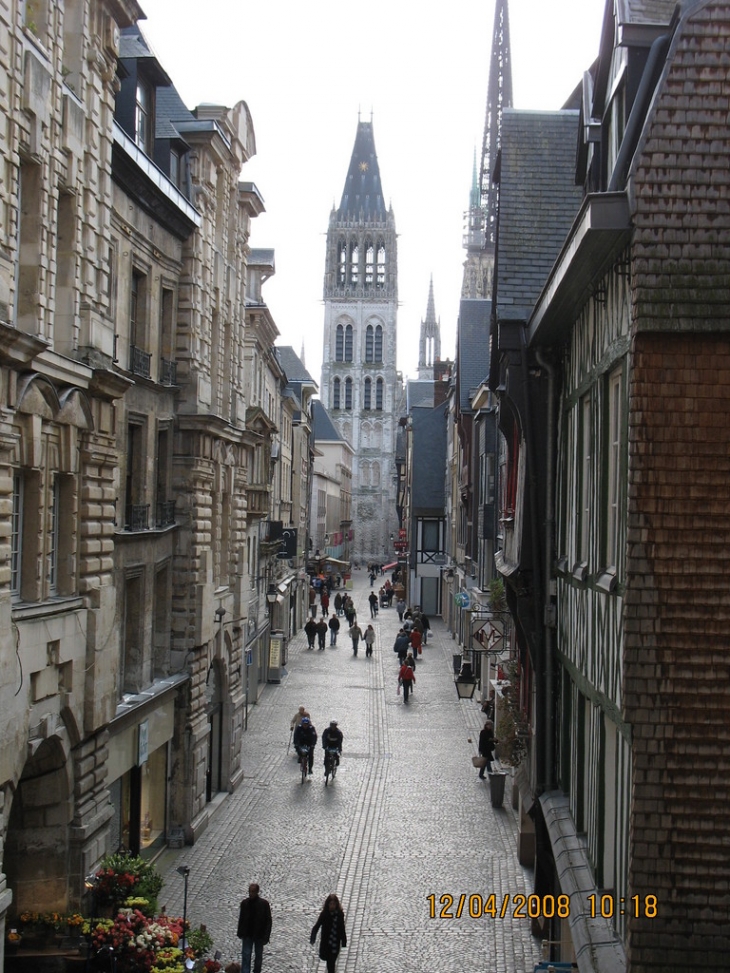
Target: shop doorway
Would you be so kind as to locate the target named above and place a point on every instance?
(214, 701)
(430, 596)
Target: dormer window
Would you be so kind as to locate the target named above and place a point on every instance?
(143, 116)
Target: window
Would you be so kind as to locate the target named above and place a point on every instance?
(369, 264)
(342, 264)
(348, 343)
(143, 116)
(53, 539)
(378, 352)
(139, 358)
(136, 512)
(336, 394)
(379, 394)
(354, 264)
(348, 393)
(381, 266)
(340, 343)
(132, 675)
(586, 461)
(367, 394)
(369, 344)
(430, 536)
(168, 367)
(615, 403)
(29, 246)
(16, 536)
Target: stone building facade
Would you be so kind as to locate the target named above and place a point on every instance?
(361, 388)
(136, 458)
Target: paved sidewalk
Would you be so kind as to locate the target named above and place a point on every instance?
(405, 819)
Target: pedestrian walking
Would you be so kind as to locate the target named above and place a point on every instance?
(321, 633)
(487, 744)
(373, 600)
(355, 635)
(310, 630)
(401, 645)
(254, 929)
(416, 641)
(298, 717)
(369, 639)
(400, 607)
(312, 601)
(332, 923)
(338, 604)
(406, 679)
(334, 625)
(325, 602)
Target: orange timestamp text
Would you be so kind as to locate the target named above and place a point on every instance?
(493, 906)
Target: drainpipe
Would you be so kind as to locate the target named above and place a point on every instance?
(548, 614)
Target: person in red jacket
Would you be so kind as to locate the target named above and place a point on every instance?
(407, 679)
(416, 641)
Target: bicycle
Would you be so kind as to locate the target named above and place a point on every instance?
(330, 764)
(304, 762)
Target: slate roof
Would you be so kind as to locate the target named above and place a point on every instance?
(429, 456)
(322, 426)
(538, 200)
(419, 392)
(363, 192)
(472, 341)
(133, 46)
(293, 365)
(645, 11)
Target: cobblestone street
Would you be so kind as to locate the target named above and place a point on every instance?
(406, 818)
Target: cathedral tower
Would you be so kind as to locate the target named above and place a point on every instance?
(360, 386)
(429, 347)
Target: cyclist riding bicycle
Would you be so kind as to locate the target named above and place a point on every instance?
(305, 738)
(332, 740)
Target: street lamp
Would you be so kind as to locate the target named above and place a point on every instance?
(465, 682)
(184, 870)
(272, 596)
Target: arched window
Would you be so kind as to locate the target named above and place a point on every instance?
(369, 344)
(381, 265)
(375, 475)
(365, 475)
(348, 393)
(369, 264)
(378, 354)
(379, 394)
(342, 263)
(348, 343)
(354, 263)
(336, 394)
(367, 395)
(340, 343)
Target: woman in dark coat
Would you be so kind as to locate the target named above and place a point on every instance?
(332, 921)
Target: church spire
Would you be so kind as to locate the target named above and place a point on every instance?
(363, 192)
(479, 240)
(429, 349)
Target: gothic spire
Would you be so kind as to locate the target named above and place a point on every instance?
(429, 349)
(499, 97)
(363, 192)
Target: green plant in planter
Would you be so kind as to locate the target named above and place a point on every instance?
(497, 597)
(513, 730)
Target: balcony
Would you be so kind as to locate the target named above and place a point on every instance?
(165, 513)
(139, 362)
(168, 372)
(258, 498)
(137, 517)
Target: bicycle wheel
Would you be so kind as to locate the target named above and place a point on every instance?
(303, 763)
(334, 769)
(327, 773)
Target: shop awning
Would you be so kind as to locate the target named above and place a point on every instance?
(334, 560)
(387, 567)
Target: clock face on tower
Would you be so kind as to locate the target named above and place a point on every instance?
(363, 167)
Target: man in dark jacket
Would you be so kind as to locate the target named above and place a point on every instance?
(321, 633)
(305, 737)
(310, 630)
(487, 744)
(254, 929)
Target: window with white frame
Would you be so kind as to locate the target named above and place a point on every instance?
(615, 416)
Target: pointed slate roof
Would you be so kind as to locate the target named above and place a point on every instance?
(363, 192)
(322, 426)
(293, 365)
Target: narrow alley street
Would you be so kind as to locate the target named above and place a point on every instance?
(405, 819)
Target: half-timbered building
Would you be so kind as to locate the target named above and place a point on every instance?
(611, 364)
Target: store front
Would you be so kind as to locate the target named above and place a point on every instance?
(139, 745)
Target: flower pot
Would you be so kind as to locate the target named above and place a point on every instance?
(496, 787)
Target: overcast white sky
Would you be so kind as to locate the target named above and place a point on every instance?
(305, 69)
